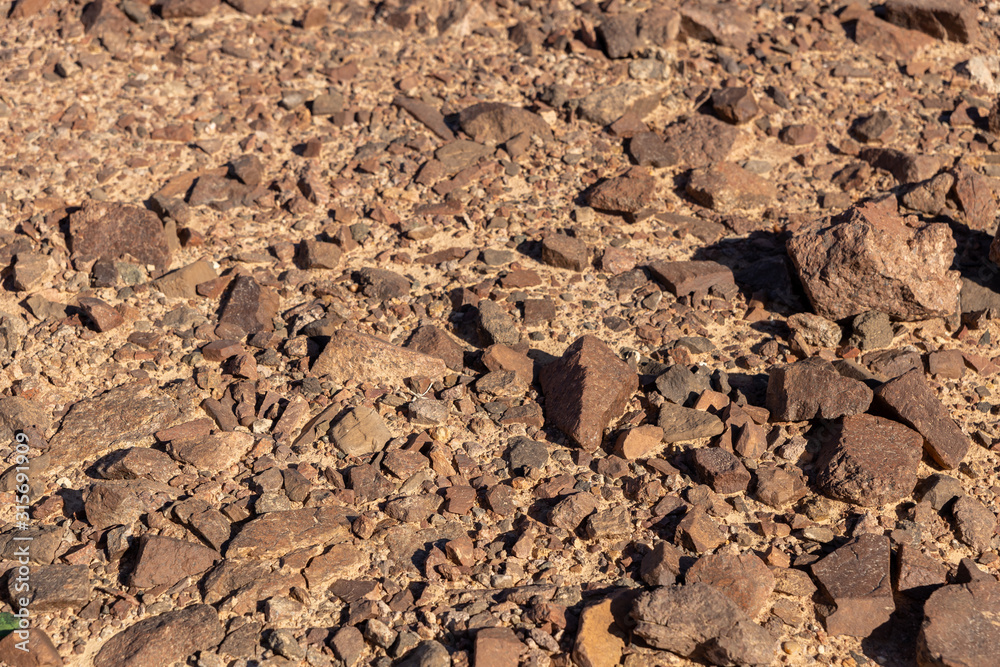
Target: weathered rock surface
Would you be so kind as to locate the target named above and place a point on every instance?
(352, 355)
(959, 626)
(109, 230)
(164, 639)
(744, 579)
(813, 388)
(856, 577)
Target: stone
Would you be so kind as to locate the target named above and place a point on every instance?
(361, 431)
(975, 524)
(721, 470)
(905, 167)
(350, 355)
(619, 34)
(495, 325)
(678, 384)
(856, 577)
(585, 389)
(699, 532)
(182, 283)
(691, 276)
(565, 252)
(976, 195)
(13, 329)
(892, 363)
(606, 105)
(815, 330)
(214, 452)
(888, 40)
(869, 461)
(163, 639)
(52, 588)
(31, 271)
(105, 230)
(413, 509)
(165, 561)
(278, 533)
(813, 388)
(526, 454)
(118, 417)
(249, 307)
(183, 9)
(570, 512)
(320, 255)
(939, 490)
(103, 316)
(608, 524)
(877, 127)
(777, 487)
(869, 259)
(647, 149)
(680, 424)
(951, 20)
(432, 119)
(41, 651)
(662, 565)
(735, 105)
(436, 342)
(871, 330)
(502, 358)
(698, 621)
(492, 123)
(726, 187)
(631, 192)
(456, 155)
(598, 640)
(743, 578)
(700, 140)
(142, 463)
(959, 625)
(247, 169)
(919, 574)
(497, 647)
(348, 643)
(638, 442)
(121, 502)
(723, 23)
(798, 135)
(382, 284)
(909, 399)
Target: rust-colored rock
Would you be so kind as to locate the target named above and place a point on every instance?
(109, 230)
(350, 355)
(856, 578)
(813, 388)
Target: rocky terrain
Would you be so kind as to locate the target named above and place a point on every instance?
(520, 332)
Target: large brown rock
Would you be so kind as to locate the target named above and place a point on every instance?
(109, 230)
(869, 461)
(629, 193)
(727, 187)
(493, 123)
(41, 651)
(960, 626)
(813, 388)
(700, 140)
(952, 20)
(165, 561)
(744, 579)
(250, 307)
(277, 533)
(910, 400)
(164, 639)
(691, 276)
(598, 641)
(856, 577)
(585, 389)
(350, 355)
(868, 258)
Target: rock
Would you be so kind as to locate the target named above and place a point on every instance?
(585, 389)
(182, 283)
(165, 561)
(41, 652)
(428, 411)
(877, 127)
(249, 307)
(629, 193)
(700, 140)
(606, 105)
(856, 577)
(678, 384)
(436, 342)
(871, 330)
(778, 487)
(570, 512)
(815, 330)
(892, 363)
(722, 23)
(727, 187)
(691, 276)
(939, 490)
(527, 454)
(976, 195)
(278, 533)
(413, 509)
(619, 33)
(182, 9)
(109, 230)
(598, 641)
(909, 399)
(680, 424)
(662, 565)
(104, 317)
(735, 105)
(495, 325)
(952, 20)
(889, 40)
(214, 452)
(247, 169)
(320, 255)
(720, 470)
(503, 358)
(120, 416)
(698, 621)
(637, 442)
(53, 588)
(382, 284)
(141, 463)
(869, 461)
(798, 135)
(647, 149)
(744, 579)
(12, 332)
(361, 431)
(975, 524)
(905, 167)
(492, 123)
(953, 616)
(163, 639)
(432, 119)
(350, 355)
(869, 259)
(919, 574)
(459, 154)
(121, 502)
(813, 388)
(497, 647)
(699, 532)
(565, 252)
(31, 271)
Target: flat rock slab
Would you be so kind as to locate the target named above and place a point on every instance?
(585, 389)
(744, 579)
(910, 399)
(700, 140)
(109, 230)
(952, 20)
(856, 577)
(493, 123)
(598, 641)
(250, 307)
(55, 587)
(721, 470)
(960, 625)
(699, 621)
(213, 452)
(629, 193)
(350, 355)
(277, 533)
(606, 105)
(164, 639)
(120, 416)
(813, 388)
(436, 342)
(691, 276)
(361, 431)
(681, 424)
(41, 651)
(165, 561)
(869, 461)
(726, 187)
(868, 258)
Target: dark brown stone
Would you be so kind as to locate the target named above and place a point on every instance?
(960, 625)
(493, 123)
(109, 230)
(744, 579)
(721, 470)
(813, 388)
(726, 187)
(436, 342)
(182, 9)
(735, 105)
(565, 252)
(165, 561)
(691, 276)
(250, 307)
(952, 20)
(164, 639)
(629, 193)
(700, 140)
(856, 578)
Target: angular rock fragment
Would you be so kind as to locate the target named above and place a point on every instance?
(909, 399)
(182, 283)
(249, 307)
(649, 150)
(639, 441)
(905, 167)
(121, 502)
(816, 330)
(109, 230)
(214, 452)
(277, 533)
(164, 639)
(320, 255)
(721, 470)
(680, 424)
(350, 355)
(182, 9)
(959, 626)
(165, 561)
(699, 532)
(606, 105)
(629, 193)
(744, 579)
(599, 641)
(41, 652)
(919, 574)
(734, 105)
(700, 140)
(813, 388)
(104, 317)
(497, 647)
(570, 512)
(889, 40)
(778, 487)
(432, 119)
(977, 197)
(585, 389)
(361, 431)
(952, 20)
(975, 524)
(619, 35)
(856, 577)
(691, 276)
(726, 187)
(382, 284)
(869, 461)
(493, 123)
(869, 259)
(565, 252)
(53, 587)
(436, 342)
